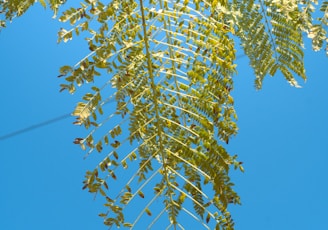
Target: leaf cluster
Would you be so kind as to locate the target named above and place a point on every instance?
(169, 66)
(10, 9)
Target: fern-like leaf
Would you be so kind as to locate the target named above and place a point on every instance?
(170, 64)
(169, 67)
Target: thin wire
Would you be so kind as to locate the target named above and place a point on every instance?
(51, 121)
(36, 126)
(41, 124)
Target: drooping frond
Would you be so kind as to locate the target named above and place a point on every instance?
(288, 42)
(255, 40)
(271, 35)
(309, 18)
(169, 65)
(318, 31)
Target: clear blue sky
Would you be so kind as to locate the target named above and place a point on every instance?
(282, 141)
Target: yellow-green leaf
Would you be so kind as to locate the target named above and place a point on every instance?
(43, 3)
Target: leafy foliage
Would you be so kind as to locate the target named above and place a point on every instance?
(169, 67)
(171, 64)
(271, 35)
(15, 8)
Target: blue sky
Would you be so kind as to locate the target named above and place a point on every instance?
(282, 140)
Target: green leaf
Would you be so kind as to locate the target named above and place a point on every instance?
(43, 3)
(65, 69)
(129, 225)
(148, 212)
(124, 164)
(105, 184)
(140, 193)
